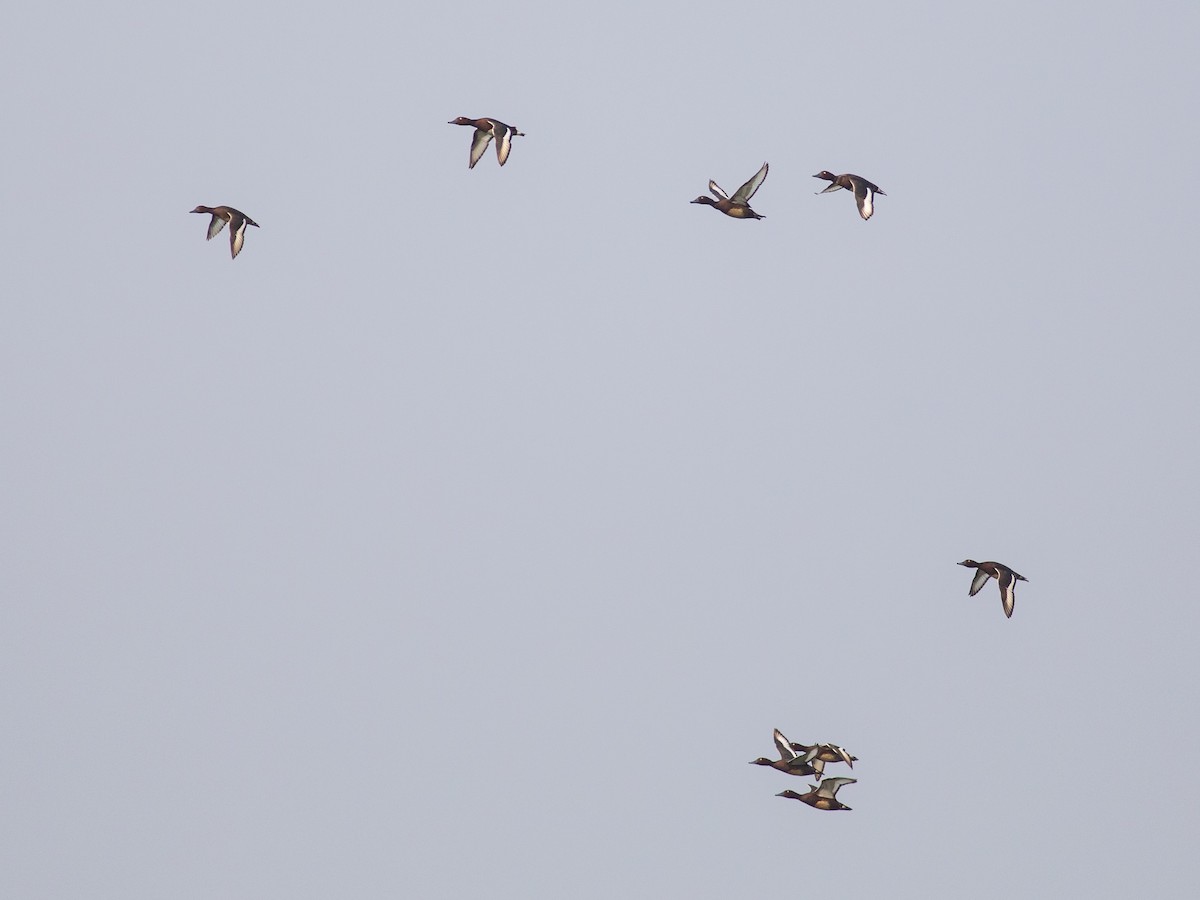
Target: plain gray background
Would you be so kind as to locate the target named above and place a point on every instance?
(469, 533)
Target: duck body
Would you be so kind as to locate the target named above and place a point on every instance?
(1005, 577)
(823, 797)
(235, 219)
(487, 129)
(863, 190)
(737, 206)
(726, 206)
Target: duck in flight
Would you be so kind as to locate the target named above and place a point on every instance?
(486, 129)
(1005, 577)
(738, 205)
(823, 797)
(864, 191)
(227, 215)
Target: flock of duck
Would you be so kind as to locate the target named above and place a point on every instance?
(810, 759)
(794, 759)
(488, 129)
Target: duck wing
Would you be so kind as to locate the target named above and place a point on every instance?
(504, 136)
(237, 234)
(843, 753)
(980, 579)
(829, 787)
(1008, 594)
(479, 142)
(864, 196)
(784, 747)
(215, 226)
(747, 190)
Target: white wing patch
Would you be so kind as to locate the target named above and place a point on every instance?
(829, 787)
(865, 197)
(478, 144)
(215, 226)
(980, 579)
(784, 746)
(236, 237)
(503, 142)
(1008, 593)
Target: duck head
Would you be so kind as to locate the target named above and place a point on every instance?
(792, 795)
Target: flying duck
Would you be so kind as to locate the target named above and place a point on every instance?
(864, 191)
(823, 797)
(738, 205)
(1005, 576)
(485, 130)
(227, 215)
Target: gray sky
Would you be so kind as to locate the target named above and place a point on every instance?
(469, 533)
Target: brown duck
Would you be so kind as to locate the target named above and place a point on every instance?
(1005, 577)
(227, 215)
(864, 192)
(486, 129)
(738, 205)
(823, 797)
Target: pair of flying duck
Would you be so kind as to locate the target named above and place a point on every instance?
(810, 759)
(486, 130)
(738, 206)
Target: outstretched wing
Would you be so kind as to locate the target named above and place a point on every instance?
(215, 226)
(237, 234)
(747, 190)
(978, 581)
(863, 197)
(843, 753)
(715, 190)
(829, 787)
(1008, 594)
(785, 748)
(478, 144)
(503, 141)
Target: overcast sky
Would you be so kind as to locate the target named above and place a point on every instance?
(469, 533)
